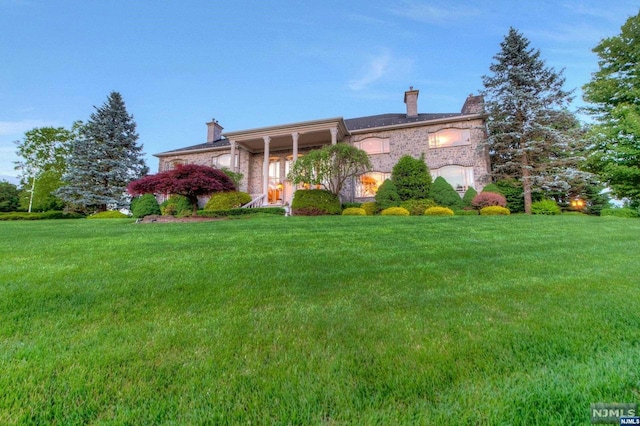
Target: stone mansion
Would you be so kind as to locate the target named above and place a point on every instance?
(451, 142)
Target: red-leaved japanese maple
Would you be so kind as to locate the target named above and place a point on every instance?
(189, 180)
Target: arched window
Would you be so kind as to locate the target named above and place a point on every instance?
(460, 177)
(373, 145)
(222, 161)
(449, 137)
(367, 184)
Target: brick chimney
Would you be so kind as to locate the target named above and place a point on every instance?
(411, 99)
(214, 131)
(473, 105)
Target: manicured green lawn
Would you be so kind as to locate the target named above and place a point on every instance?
(323, 320)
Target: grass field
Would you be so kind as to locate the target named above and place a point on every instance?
(323, 320)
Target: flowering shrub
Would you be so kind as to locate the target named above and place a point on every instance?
(369, 207)
(354, 211)
(495, 210)
(545, 207)
(486, 199)
(438, 211)
(395, 211)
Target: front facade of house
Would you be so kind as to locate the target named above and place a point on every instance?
(451, 143)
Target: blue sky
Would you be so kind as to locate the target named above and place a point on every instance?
(254, 63)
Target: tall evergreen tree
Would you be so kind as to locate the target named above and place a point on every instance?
(527, 104)
(104, 159)
(614, 95)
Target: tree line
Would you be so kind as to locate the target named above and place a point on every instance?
(533, 141)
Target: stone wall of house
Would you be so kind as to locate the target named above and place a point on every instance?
(415, 141)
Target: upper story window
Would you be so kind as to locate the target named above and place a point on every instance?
(449, 137)
(373, 145)
(170, 165)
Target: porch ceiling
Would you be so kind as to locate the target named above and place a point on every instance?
(310, 133)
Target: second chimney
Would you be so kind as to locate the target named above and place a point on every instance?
(411, 99)
(214, 131)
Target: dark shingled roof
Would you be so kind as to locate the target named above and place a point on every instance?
(215, 144)
(382, 120)
(358, 123)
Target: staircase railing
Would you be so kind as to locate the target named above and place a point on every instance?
(257, 201)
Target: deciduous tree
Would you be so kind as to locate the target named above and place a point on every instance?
(103, 159)
(8, 197)
(189, 180)
(527, 105)
(614, 97)
(330, 166)
(42, 151)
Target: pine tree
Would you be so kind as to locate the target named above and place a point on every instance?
(613, 94)
(527, 106)
(104, 159)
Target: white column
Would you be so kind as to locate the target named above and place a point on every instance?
(265, 166)
(334, 135)
(233, 156)
(294, 136)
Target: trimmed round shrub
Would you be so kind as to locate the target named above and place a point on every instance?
(354, 211)
(411, 177)
(369, 207)
(619, 212)
(347, 205)
(438, 211)
(494, 211)
(487, 199)
(468, 197)
(109, 214)
(227, 200)
(493, 188)
(444, 195)
(315, 202)
(145, 205)
(387, 195)
(548, 207)
(417, 207)
(176, 205)
(395, 211)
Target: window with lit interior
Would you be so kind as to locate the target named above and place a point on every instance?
(222, 161)
(460, 177)
(449, 137)
(367, 185)
(373, 145)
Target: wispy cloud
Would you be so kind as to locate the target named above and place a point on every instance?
(429, 13)
(374, 70)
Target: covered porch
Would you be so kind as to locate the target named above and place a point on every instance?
(275, 149)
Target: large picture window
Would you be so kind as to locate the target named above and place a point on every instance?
(367, 185)
(373, 145)
(461, 178)
(449, 137)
